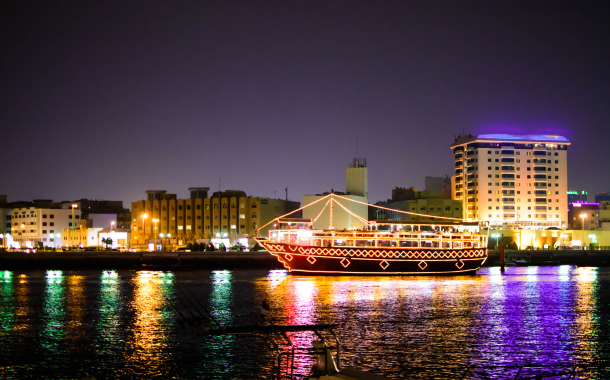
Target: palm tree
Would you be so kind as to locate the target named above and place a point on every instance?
(107, 241)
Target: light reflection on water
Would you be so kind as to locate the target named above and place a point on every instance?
(124, 324)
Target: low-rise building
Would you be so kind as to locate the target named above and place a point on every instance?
(421, 202)
(41, 221)
(227, 217)
(87, 235)
(548, 239)
(583, 216)
(83, 235)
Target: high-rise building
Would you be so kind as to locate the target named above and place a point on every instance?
(512, 179)
(577, 196)
(602, 196)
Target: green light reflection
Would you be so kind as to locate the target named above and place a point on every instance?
(7, 306)
(53, 313)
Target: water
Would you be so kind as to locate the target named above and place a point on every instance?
(124, 324)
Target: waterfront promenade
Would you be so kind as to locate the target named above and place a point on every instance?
(258, 259)
(110, 259)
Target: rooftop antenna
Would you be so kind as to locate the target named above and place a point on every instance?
(286, 194)
(275, 194)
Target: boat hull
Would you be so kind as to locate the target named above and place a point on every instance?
(376, 261)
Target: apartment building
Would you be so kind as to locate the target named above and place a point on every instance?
(33, 224)
(227, 217)
(512, 180)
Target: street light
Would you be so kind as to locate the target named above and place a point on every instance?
(155, 222)
(144, 216)
(168, 235)
(496, 235)
(111, 224)
(583, 216)
(5, 239)
(563, 237)
(74, 205)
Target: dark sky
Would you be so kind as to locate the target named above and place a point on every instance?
(105, 100)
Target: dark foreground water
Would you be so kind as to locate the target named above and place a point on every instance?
(124, 324)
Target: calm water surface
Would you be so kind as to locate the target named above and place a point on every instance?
(124, 324)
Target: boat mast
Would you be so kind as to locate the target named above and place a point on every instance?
(331, 210)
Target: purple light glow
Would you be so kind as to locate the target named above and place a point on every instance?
(545, 138)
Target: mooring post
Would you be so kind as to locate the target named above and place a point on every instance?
(502, 258)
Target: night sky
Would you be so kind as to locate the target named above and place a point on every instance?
(105, 100)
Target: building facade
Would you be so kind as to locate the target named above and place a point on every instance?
(577, 196)
(602, 196)
(227, 217)
(31, 225)
(421, 202)
(583, 215)
(86, 236)
(512, 180)
(112, 211)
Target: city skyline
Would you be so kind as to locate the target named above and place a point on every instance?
(108, 102)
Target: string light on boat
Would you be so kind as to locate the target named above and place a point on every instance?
(399, 211)
(366, 222)
(324, 208)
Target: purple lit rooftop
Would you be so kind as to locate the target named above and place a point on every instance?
(537, 138)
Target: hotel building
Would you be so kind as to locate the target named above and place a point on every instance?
(228, 217)
(512, 180)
